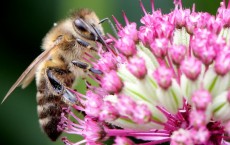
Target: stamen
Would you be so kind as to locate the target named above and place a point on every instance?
(153, 7)
(118, 25)
(125, 18)
(142, 7)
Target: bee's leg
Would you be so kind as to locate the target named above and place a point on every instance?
(86, 67)
(100, 39)
(111, 25)
(53, 83)
(85, 44)
(58, 87)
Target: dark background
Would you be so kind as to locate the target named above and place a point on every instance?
(22, 27)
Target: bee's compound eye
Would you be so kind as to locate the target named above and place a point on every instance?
(80, 25)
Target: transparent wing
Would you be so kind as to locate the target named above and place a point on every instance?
(28, 75)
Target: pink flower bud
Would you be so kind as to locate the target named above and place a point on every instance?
(111, 82)
(204, 46)
(146, 35)
(201, 136)
(163, 77)
(191, 67)
(93, 131)
(222, 63)
(181, 137)
(201, 99)
(129, 30)
(142, 114)
(159, 47)
(125, 105)
(137, 67)
(108, 112)
(177, 53)
(197, 118)
(106, 63)
(180, 17)
(93, 104)
(126, 46)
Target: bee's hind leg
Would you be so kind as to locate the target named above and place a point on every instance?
(53, 82)
(59, 89)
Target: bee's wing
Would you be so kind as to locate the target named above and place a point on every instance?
(28, 78)
(28, 75)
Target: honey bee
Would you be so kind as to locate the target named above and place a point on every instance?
(61, 62)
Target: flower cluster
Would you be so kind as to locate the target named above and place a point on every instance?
(166, 81)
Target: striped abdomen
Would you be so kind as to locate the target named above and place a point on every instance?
(49, 105)
(49, 113)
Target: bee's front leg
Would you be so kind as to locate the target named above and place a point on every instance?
(83, 65)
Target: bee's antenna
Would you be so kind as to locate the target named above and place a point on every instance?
(111, 25)
(100, 38)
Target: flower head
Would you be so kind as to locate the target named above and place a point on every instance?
(166, 81)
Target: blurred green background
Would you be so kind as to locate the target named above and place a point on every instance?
(23, 25)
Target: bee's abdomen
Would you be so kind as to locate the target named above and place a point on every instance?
(49, 113)
(50, 103)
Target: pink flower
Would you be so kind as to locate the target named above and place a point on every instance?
(204, 46)
(163, 77)
(182, 137)
(201, 99)
(93, 104)
(111, 82)
(197, 118)
(191, 67)
(130, 30)
(146, 34)
(177, 53)
(159, 47)
(126, 46)
(137, 67)
(222, 63)
(107, 63)
(164, 82)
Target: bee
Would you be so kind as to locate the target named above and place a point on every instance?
(61, 62)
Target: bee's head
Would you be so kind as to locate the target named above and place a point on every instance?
(83, 22)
